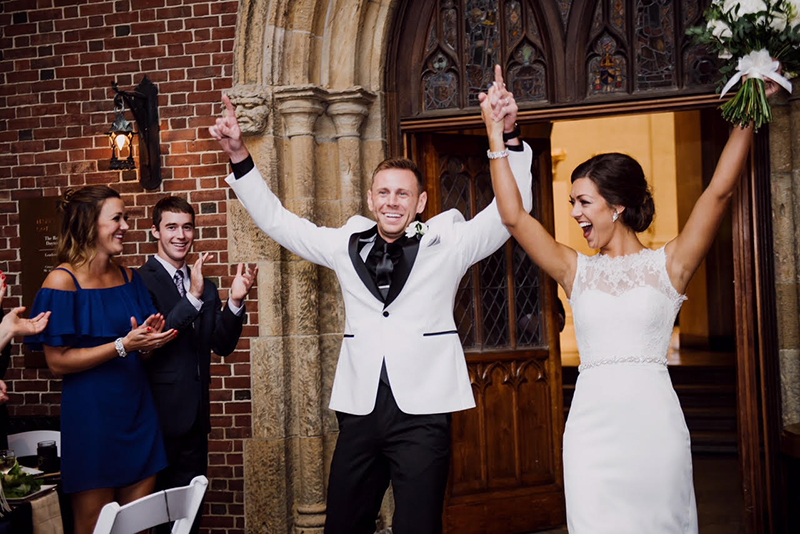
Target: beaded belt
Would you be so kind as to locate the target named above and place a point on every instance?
(629, 359)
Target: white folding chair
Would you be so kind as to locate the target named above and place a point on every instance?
(24, 443)
(176, 504)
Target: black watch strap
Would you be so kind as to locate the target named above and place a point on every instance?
(511, 135)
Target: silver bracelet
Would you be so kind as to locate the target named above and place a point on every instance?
(497, 155)
(120, 348)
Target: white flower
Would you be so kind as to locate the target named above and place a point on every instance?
(416, 228)
(719, 29)
(778, 23)
(794, 12)
(745, 7)
(725, 55)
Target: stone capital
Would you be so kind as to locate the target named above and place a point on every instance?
(252, 107)
(347, 108)
(300, 106)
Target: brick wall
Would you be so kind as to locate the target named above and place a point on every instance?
(58, 59)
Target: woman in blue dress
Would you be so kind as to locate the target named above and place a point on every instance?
(103, 322)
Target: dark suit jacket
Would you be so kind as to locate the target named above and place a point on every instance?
(180, 372)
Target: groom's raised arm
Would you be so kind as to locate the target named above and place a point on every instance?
(300, 236)
(485, 233)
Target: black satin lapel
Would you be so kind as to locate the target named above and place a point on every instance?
(403, 269)
(358, 263)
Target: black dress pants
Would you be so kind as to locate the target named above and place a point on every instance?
(411, 451)
(187, 457)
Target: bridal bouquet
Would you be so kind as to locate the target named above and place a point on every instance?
(762, 40)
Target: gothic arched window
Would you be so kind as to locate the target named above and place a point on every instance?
(553, 52)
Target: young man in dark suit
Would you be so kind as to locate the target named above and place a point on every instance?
(180, 372)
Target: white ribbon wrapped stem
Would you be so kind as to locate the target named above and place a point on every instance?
(757, 65)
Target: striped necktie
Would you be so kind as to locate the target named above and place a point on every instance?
(178, 279)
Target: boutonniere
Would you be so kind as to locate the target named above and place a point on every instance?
(416, 229)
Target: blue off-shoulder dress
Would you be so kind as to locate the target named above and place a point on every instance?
(110, 433)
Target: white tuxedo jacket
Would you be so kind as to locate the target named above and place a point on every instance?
(414, 330)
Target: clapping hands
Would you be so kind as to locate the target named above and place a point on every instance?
(198, 283)
(242, 282)
(149, 335)
(16, 325)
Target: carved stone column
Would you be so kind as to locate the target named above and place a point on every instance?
(784, 139)
(300, 106)
(348, 109)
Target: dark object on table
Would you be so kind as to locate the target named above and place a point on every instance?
(47, 454)
(19, 521)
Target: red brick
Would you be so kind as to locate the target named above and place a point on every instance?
(74, 111)
(148, 52)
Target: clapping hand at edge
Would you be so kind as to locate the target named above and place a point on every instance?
(242, 282)
(19, 326)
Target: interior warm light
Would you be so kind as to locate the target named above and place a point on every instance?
(121, 136)
(122, 140)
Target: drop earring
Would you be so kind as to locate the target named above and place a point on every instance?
(615, 217)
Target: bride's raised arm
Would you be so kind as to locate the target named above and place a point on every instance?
(557, 260)
(689, 248)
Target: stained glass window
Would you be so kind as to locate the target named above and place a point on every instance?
(564, 6)
(527, 304)
(597, 21)
(441, 84)
(616, 14)
(607, 68)
(632, 46)
(482, 33)
(483, 307)
(655, 44)
(700, 67)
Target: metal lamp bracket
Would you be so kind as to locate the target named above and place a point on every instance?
(143, 102)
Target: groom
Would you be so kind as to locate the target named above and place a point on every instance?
(401, 370)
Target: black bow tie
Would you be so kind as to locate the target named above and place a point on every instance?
(384, 256)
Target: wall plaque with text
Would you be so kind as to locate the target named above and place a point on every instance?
(39, 226)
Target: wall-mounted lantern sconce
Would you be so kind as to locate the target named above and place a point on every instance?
(121, 137)
(143, 102)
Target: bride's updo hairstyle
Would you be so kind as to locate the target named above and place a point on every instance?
(620, 180)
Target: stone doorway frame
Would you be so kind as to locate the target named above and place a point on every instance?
(309, 79)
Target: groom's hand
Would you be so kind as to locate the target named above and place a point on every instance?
(506, 106)
(227, 132)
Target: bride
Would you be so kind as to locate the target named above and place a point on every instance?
(627, 456)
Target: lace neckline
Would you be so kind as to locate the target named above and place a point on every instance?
(640, 252)
(624, 261)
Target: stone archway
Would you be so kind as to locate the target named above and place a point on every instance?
(308, 87)
(309, 76)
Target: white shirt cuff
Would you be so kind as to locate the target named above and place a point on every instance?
(237, 310)
(197, 303)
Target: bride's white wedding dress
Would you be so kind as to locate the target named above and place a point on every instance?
(627, 456)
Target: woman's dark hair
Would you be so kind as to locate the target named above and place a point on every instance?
(80, 209)
(620, 180)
